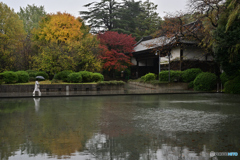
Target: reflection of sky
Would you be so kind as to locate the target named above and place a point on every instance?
(166, 152)
(75, 156)
(178, 120)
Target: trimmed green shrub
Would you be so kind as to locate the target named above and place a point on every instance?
(74, 78)
(190, 74)
(42, 73)
(143, 78)
(23, 77)
(32, 75)
(97, 77)
(205, 81)
(232, 86)
(10, 77)
(149, 77)
(191, 84)
(86, 76)
(174, 75)
(224, 78)
(63, 75)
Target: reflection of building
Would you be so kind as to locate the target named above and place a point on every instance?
(184, 54)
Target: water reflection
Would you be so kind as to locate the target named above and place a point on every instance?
(175, 120)
(37, 104)
(123, 127)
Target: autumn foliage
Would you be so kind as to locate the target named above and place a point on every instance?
(60, 28)
(63, 43)
(113, 46)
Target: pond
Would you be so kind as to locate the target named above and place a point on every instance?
(144, 127)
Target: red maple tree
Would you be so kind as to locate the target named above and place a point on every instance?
(113, 46)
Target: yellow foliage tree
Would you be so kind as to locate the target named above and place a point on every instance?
(60, 28)
(64, 44)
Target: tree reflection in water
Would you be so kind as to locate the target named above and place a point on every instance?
(122, 127)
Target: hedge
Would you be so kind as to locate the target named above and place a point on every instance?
(63, 75)
(232, 86)
(190, 74)
(10, 77)
(74, 78)
(149, 77)
(111, 83)
(143, 78)
(32, 75)
(191, 84)
(205, 81)
(97, 77)
(224, 78)
(23, 77)
(86, 76)
(174, 75)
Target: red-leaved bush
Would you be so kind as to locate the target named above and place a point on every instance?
(113, 46)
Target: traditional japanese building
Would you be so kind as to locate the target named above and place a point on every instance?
(149, 52)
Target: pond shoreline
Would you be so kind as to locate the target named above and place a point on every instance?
(71, 90)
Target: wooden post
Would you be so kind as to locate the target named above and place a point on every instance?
(137, 68)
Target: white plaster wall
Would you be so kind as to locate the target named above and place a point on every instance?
(175, 53)
(133, 61)
(143, 62)
(190, 53)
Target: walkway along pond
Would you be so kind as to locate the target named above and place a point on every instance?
(131, 88)
(170, 126)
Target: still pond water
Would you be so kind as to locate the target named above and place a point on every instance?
(144, 127)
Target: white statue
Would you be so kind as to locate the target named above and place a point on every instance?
(36, 89)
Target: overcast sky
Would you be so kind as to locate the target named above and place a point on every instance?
(74, 6)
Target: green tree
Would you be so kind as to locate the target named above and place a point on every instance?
(101, 14)
(31, 15)
(148, 20)
(234, 12)
(127, 17)
(11, 36)
(227, 38)
(126, 21)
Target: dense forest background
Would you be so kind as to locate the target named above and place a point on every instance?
(33, 39)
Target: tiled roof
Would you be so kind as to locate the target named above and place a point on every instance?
(153, 43)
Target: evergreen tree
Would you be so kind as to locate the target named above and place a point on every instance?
(101, 15)
(128, 17)
(148, 20)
